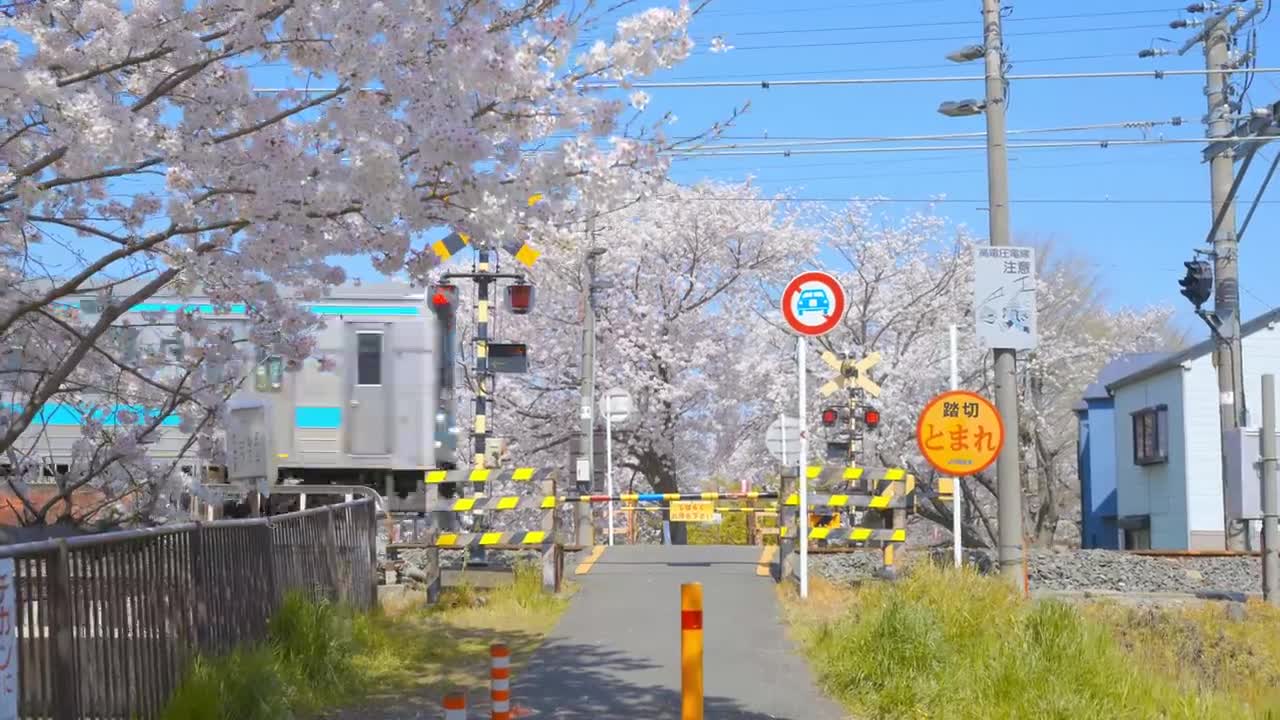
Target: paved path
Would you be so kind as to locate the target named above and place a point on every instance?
(616, 651)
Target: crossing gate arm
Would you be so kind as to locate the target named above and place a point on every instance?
(483, 475)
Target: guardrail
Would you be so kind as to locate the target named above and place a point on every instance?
(107, 624)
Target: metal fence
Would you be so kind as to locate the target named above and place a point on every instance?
(107, 624)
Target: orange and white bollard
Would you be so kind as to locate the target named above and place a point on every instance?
(500, 681)
(691, 651)
(455, 706)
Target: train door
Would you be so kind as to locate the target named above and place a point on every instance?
(369, 430)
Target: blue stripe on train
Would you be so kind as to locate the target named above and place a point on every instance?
(239, 309)
(61, 415)
(317, 418)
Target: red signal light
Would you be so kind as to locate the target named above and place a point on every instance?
(830, 416)
(872, 418)
(443, 296)
(520, 298)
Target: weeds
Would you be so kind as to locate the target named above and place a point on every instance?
(957, 645)
(319, 655)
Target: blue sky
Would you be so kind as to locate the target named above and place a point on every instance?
(1138, 249)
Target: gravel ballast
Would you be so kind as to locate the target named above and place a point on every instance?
(1068, 570)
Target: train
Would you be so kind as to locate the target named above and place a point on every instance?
(383, 414)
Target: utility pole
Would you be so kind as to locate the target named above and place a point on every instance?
(1008, 475)
(1270, 503)
(1226, 294)
(1217, 35)
(586, 459)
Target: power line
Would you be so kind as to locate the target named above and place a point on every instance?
(768, 84)
(941, 200)
(949, 38)
(885, 68)
(793, 10)
(946, 23)
(1102, 144)
(801, 142)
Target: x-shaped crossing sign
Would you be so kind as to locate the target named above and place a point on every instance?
(851, 373)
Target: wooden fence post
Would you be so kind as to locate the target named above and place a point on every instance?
(331, 553)
(199, 591)
(66, 683)
(373, 551)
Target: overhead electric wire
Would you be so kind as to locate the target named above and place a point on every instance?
(884, 68)
(804, 142)
(1101, 144)
(717, 12)
(946, 23)
(949, 38)
(769, 84)
(977, 201)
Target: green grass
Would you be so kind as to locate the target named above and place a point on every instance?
(320, 656)
(942, 644)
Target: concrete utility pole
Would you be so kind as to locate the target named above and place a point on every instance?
(586, 413)
(1270, 503)
(1226, 295)
(1218, 35)
(1008, 477)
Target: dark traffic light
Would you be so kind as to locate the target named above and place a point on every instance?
(1197, 286)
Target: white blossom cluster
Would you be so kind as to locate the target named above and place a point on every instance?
(139, 156)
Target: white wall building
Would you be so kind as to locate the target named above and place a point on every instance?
(1168, 464)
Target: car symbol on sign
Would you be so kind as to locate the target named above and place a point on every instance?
(813, 301)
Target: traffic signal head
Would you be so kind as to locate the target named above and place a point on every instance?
(1197, 286)
(444, 297)
(520, 298)
(830, 416)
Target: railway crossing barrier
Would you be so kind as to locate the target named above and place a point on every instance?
(878, 501)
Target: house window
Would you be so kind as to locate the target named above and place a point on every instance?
(369, 359)
(1151, 435)
(1137, 539)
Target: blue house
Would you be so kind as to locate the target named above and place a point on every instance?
(1096, 452)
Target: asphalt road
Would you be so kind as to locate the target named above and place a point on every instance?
(616, 651)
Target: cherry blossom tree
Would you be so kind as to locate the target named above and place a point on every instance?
(139, 156)
(908, 280)
(678, 293)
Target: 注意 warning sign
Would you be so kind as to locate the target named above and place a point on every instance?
(960, 433)
(693, 511)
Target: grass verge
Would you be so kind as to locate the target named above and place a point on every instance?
(946, 644)
(320, 656)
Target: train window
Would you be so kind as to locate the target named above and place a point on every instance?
(172, 349)
(269, 375)
(368, 358)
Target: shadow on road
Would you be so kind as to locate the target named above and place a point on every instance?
(574, 681)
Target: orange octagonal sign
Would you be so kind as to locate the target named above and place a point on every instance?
(960, 433)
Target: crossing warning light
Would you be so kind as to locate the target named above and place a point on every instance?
(871, 417)
(443, 296)
(830, 417)
(520, 298)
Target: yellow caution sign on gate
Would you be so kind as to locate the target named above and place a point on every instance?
(693, 511)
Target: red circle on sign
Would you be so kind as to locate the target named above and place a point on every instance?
(834, 315)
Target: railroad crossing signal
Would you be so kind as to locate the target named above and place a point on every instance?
(851, 374)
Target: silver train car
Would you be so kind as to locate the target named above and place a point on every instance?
(380, 418)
